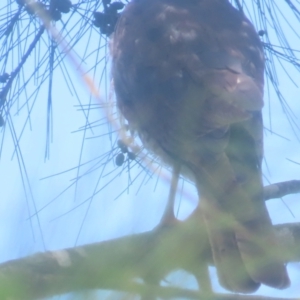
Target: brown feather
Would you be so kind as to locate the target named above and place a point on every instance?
(188, 77)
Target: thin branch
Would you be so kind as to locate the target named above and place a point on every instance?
(238, 5)
(16, 72)
(281, 189)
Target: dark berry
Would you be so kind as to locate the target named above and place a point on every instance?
(116, 6)
(131, 155)
(120, 158)
(55, 15)
(63, 6)
(4, 77)
(122, 146)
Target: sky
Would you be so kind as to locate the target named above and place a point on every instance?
(40, 211)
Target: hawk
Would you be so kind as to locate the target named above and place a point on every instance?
(189, 78)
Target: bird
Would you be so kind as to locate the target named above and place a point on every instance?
(189, 79)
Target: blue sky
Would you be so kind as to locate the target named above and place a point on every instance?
(63, 221)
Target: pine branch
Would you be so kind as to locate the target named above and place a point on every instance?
(115, 264)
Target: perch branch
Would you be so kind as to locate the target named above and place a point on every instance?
(116, 264)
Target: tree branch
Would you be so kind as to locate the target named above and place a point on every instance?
(115, 264)
(281, 189)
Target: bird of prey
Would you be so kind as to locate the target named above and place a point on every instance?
(189, 78)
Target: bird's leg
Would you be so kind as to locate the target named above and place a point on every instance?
(168, 217)
(203, 278)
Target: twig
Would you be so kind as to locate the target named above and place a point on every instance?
(239, 6)
(281, 189)
(16, 72)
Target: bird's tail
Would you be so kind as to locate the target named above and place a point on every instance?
(244, 244)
